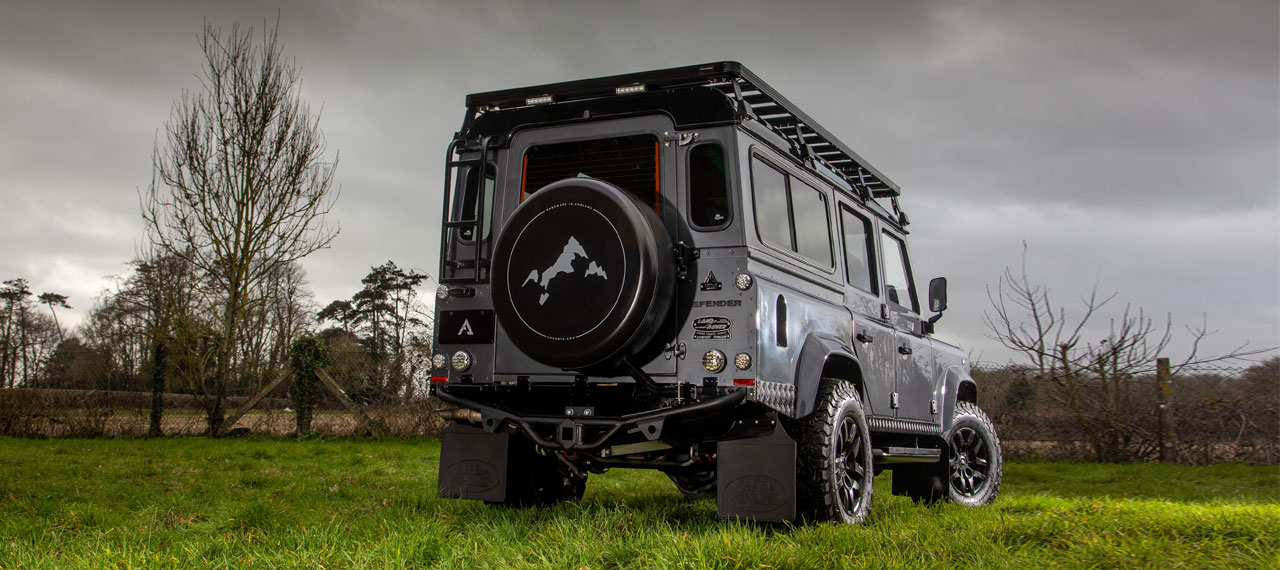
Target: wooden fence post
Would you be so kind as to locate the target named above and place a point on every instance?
(368, 422)
(1164, 397)
(231, 420)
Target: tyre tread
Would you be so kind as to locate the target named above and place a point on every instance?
(814, 480)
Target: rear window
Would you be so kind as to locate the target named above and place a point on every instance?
(630, 163)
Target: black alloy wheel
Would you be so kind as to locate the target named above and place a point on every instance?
(973, 458)
(970, 461)
(850, 463)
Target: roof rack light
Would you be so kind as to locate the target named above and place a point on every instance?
(629, 89)
(539, 100)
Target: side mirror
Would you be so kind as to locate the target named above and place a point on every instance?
(938, 294)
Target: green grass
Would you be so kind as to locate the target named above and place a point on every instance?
(201, 503)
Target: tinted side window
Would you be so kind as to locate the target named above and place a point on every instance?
(769, 186)
(708, 187)
(858, 255)
(897, 274)
(791, 214)
(812, 227)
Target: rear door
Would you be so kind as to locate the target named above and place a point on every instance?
(634, 154)
(873, 338)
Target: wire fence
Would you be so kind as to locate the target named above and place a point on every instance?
(1213, 414)
(44, 412)
(1207, 414)
(92, 395)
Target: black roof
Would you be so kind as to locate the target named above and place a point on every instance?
(756, 99)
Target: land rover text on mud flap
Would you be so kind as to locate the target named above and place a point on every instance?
(679, 270)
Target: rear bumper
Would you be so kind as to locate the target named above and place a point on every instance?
(587, 434)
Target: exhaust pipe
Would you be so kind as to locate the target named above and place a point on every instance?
(460, 414)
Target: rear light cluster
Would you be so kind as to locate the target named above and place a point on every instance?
(461, 361)
(713, 361)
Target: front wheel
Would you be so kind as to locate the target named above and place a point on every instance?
(973, 457)
(835, 473)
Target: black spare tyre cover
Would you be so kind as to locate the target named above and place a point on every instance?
(583, 274)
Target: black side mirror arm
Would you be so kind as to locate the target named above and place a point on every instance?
(927, 325)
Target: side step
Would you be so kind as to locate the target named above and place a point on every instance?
(756, 478)
(906, 455)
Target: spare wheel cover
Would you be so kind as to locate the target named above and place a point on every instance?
(582, 274)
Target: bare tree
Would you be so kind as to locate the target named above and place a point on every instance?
(272, 326)
(162, 290)
(241, 185)
(1093, 379)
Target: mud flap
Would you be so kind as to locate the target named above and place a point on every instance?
(756, 478)
(473, 464)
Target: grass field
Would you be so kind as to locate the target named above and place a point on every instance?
(203, 503)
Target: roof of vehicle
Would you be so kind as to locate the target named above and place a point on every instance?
(755, 98)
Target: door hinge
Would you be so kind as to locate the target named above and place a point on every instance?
(933, 406)
(676, 350)
(893, 400)
(684, 256)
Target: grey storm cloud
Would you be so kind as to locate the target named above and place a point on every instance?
(1132, 143)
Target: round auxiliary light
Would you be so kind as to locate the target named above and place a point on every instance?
(713, 361)
(461, 361)
(742, 281)
(439, 361)
(442, 292)
(742, 361)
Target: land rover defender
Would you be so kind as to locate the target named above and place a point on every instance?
(679, 270)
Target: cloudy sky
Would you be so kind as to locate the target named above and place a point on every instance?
(1132, 144)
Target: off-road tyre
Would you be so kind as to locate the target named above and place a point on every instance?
(974, 465)
(834, 471)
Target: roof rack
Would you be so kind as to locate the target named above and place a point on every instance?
(755, 98)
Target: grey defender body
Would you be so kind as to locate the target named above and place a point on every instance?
(680, 270)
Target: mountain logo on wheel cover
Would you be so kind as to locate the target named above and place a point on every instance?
(563, 266)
